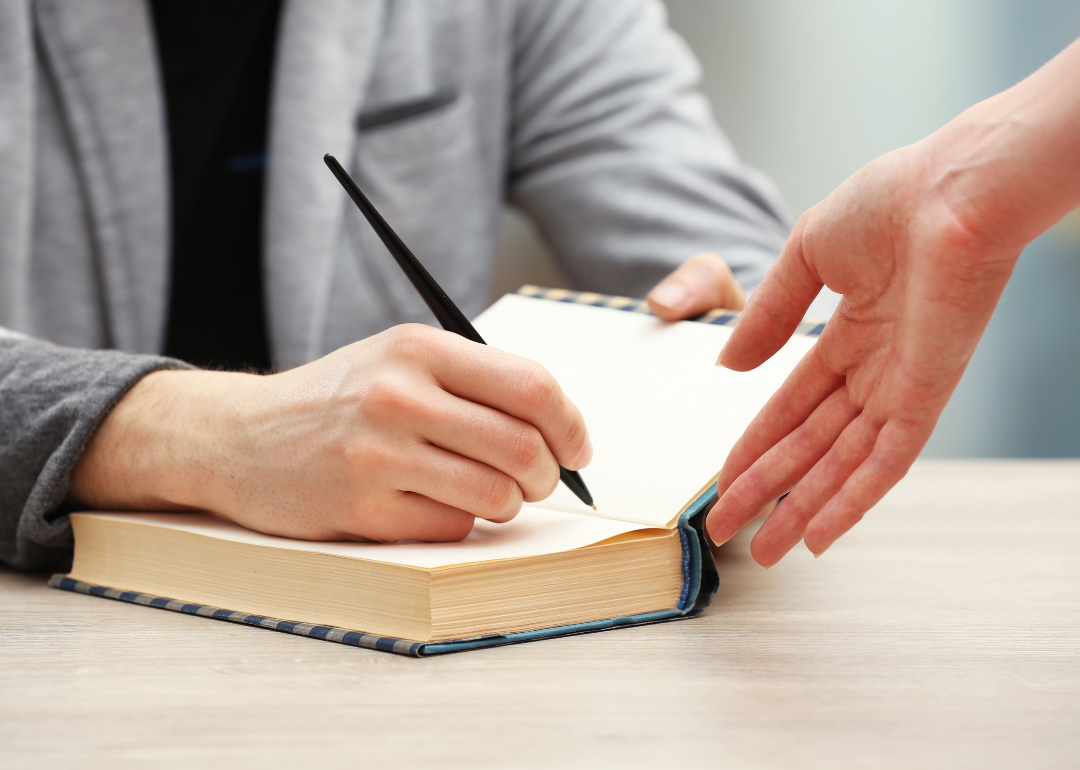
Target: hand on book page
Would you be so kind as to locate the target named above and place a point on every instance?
(700, 284)
(406, 435)
(921, 243)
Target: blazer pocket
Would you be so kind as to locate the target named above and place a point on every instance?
(422, 172)
(387, 116)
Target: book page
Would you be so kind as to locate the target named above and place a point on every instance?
(661, 414)
(531, 533)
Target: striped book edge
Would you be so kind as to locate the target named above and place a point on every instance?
(808, 327)
(406, 647)
(326, 633)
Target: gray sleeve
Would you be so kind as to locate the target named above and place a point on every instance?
(51, 401)
(615, 155)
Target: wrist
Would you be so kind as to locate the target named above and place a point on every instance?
(162, 446)
(1009, 167)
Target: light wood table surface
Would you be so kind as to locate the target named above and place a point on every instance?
(942, 632)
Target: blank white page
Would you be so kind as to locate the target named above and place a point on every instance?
(661, 414)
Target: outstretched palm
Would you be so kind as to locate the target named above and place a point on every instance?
(919, 288)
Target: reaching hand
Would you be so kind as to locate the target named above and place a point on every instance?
(919, 288)
(406, 435)
(921, 243)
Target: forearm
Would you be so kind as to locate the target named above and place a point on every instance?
(1009, 167)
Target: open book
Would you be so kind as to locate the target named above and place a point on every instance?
(662, 418)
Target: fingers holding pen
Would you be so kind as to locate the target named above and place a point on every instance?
(503, 420)
(458, 482)
(520, 388)
(513, 447)
(425, 442)
(409, 434)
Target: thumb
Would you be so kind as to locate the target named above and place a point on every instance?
(699, 284)
(775, 308)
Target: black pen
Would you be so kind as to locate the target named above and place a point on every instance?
(447, 313)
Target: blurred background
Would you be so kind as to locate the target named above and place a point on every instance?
(811, 90)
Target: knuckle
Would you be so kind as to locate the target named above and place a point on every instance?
(716, 274)
(751, 486)
(412, 342)
(538, 389)
(545, 484)
(370, 520)
(528, 449)
(373, 458)
(800, 509)
(457, 528)
(575, 436)
(501, 497)
(386, 397)
(712, 262)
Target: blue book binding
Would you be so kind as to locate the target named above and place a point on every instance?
(700, 579)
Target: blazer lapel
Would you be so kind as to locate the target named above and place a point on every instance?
(324, 60)
(105, 64)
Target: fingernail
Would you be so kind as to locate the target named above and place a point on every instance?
(716, 543)
(671, 294)
(818, 554)
(720, 358)
(584, 458)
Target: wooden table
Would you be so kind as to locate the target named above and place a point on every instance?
(944, 631)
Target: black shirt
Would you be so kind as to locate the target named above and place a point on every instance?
(217, 60)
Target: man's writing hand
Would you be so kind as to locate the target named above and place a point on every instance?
(404, 436)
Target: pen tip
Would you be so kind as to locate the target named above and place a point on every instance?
(594, 507)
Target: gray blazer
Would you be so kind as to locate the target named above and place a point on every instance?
(582, 113)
